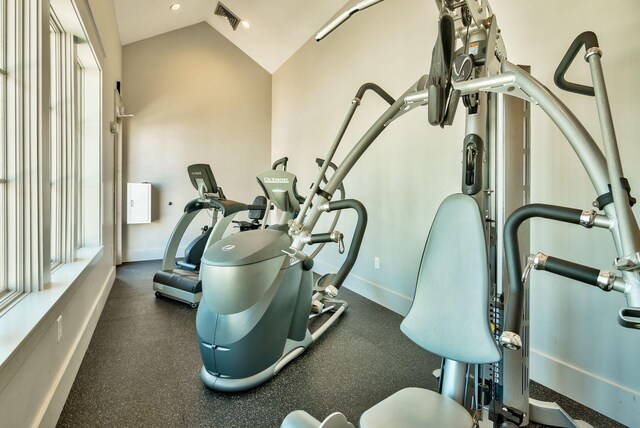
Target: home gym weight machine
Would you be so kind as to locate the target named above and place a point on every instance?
(463, 275)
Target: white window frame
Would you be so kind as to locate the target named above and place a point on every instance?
(25, 169)
(74, 149)
(25, 223)
(4, 287)
(78, 239)
(63, 144)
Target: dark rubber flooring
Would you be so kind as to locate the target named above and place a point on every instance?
(141, 368)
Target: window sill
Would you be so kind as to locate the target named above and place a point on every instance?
(19, 322)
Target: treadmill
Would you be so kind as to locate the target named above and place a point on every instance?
(184, 284)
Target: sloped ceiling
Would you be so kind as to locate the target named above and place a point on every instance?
(278, 27)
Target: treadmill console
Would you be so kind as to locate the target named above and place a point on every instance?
(202, 179)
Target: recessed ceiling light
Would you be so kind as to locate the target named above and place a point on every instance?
(175, 6)
(246, 24)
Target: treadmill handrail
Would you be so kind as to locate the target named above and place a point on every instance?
(226, 207)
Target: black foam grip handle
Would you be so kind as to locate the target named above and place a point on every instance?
(515, 298)
(571, 270)
(589, 40)
(377, 89)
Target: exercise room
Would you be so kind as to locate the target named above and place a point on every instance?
(319, 214)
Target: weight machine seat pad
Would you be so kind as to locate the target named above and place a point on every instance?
(190, 284)
(450, 311)
(302, 419)
(416, 407)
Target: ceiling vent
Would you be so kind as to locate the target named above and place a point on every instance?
(223, 11)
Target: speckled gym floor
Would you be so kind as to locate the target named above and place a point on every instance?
(141, 368)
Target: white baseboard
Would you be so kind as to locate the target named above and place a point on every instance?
(52, 407)
(383, 296)
(144, 254)
(612, 400)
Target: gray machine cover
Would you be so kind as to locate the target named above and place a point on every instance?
(449, 315)
(247, 248)
(237, 271)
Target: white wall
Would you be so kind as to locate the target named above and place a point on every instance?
(197, 99)
(578, 348)
(36, 379)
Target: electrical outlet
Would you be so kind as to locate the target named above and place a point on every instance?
(376, 262)
(59, 322)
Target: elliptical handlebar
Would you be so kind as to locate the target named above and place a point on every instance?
(320, 162)
(336, 142)
(377, 89)
(282, 161)
(358, 235)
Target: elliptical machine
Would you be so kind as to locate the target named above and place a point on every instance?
(180, 280)
(258, 294)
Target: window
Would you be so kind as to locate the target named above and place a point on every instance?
(3, 135)
(63, 133)
(68, 118)
(22, 132)
(79, 159)
(50, 165)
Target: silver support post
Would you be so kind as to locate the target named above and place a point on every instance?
(509, 123)
(628, 233)
(454, 380)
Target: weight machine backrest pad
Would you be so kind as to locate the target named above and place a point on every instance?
(450, 311)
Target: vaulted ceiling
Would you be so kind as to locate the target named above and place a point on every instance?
(278, 28)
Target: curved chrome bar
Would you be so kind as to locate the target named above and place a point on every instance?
(516, 82)
(593, 162)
